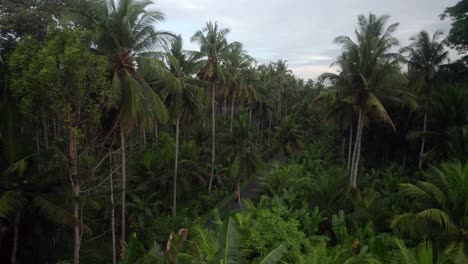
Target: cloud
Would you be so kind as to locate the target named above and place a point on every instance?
(299, 31)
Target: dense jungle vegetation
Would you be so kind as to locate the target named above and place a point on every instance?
(118, 145)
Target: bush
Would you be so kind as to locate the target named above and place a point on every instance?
(273, 228)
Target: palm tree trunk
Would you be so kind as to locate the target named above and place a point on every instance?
(239, 200)
(357, 149)
(73, 177)
(38, 145)
(76, 226)
(232, 111)
(46, 135)
(250, 117)
(213, 134)
(176, 163)
(269, 129)
(114, 258)
(124, 181)
(350, 144)
(15, 237)
(421, 152)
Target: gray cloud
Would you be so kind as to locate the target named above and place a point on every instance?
(298, 31)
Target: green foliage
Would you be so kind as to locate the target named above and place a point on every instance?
(272, 228)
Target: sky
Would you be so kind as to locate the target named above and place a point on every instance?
(298, 31)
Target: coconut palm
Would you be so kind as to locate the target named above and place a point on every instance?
(245, 161)
(426, 55)
(125, 32)
(214, 47)
(182, 93)
(236, 61)
(439, 207)
(367, 66)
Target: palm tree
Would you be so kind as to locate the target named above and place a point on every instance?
(182, 93)
(125, 33)
(214, 47)
(426, 55)
(245, 161)
(439, 207)
(367, 66)
(236, 61)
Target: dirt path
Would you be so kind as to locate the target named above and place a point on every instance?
(249, 191)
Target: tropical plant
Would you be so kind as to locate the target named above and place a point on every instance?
(439, 205)
(213, 47)
(426, 55)
(367, 65)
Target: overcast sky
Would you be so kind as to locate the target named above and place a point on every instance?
(298, 31)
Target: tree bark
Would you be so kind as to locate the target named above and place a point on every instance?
(239, 200)
(46, 134)
(124, 182)
(176, 164)
(269, 129)
(421, 152)
(15, 237)
(213, 135)
(350, 144)
(232, 111)
(114, 251)
(38, 145)
(73, 177)
(357, 149)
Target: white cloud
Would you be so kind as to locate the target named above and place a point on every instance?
(299, 31)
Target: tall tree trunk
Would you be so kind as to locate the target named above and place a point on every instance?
(350, 144)
(54, 126)
(76, 226)
(38, 145)
(176, 164)
(250, 117)
(232, 111)
(124, 182)
(114, 251)
(269, 129)
(15, 237)
(73, 177)
(46, 134)
(213, 135)
(357, 149)
(239, 200)
(421, 152)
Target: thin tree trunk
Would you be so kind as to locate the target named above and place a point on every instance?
(114, 256)
(38, 145)
(250, 117)
(357, 149)
(15, 237)
(124, 182)
(213, 131)
(350, 144)
(269, 129)
(176, 164)
(46, 134)
(73, 177)
(54, 125)
(239, 200)
(421, 152)
(232, 111)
